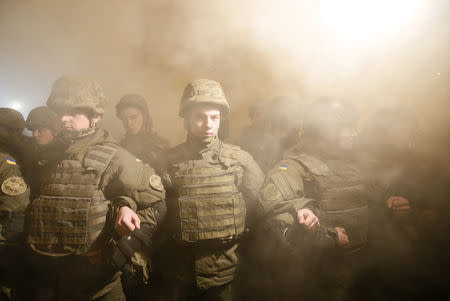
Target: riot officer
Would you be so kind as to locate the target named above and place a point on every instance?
(323, 175)
(49, 146)
(211, 185)
(140, 138)
(14, 199)
(93, 192)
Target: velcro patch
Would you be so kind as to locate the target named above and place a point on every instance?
(155, 182)
(11, 161)
(13, 186)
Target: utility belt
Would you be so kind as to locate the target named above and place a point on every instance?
(216, 243)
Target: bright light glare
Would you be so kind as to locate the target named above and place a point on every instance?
(366, 19)
(16, 105)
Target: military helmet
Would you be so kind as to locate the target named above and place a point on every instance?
(11, 119)
(330, 113)
(137, 101)
(43, 117)
(203, 91)
(69, 92)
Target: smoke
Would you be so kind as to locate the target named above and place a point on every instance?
(256, 49)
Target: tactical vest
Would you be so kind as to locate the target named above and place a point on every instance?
(209, 203)
(70, 213)
(342, 196)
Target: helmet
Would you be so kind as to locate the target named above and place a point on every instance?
(328, 114)
(43, 117)
(138, 102)
(11, 119)
(77, 93)
(203, 91)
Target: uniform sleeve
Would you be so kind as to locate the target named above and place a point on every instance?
(282, 194)
(15, 193)
(253, 176)
(129, 182)
(280, 198)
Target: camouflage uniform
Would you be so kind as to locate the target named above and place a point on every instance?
(14, 199)
(331, 184)
(146, 145)
(71, 221)
(46, 155)
(210, 186)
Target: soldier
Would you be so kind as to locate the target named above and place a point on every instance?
(322, 174)
(49, 147)
(211, 185)
(14, 199)
(402, 185)
(140, 139)
(252, 136)
(282, 126)
(95, 189)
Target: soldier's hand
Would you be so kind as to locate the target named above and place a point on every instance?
(399, 205)
(308, 220)
(127, 221)
(342, 237)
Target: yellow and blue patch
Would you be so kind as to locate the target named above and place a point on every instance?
(138, 160)
(283, 167)
(11, 161)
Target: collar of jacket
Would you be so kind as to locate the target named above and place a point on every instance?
(78, 148)
(201, 146)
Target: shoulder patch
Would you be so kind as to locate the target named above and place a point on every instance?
(13, 186)
(283, 167)
(11, 161)
(156, 183)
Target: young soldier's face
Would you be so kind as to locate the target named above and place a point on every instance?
(132, 120)
(203, 122)
(77, 120)
(43, 136)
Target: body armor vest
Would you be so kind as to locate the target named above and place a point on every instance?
(209, 203)
(342, 196)
(70, 213)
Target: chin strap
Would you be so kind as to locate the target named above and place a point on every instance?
(81, 133)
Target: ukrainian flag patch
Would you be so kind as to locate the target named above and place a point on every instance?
(11, 161)
(283, 167)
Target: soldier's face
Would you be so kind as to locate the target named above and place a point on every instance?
(43, 136)
(74, 121)
(204, 122)
(132, 120)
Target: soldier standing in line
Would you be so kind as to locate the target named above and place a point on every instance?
(252, 136)
(281, 130)
(211, 186)
(14, 199)
(49, 146)
(324, 176)
(140, 138)
(91, 193)
(404, 186)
